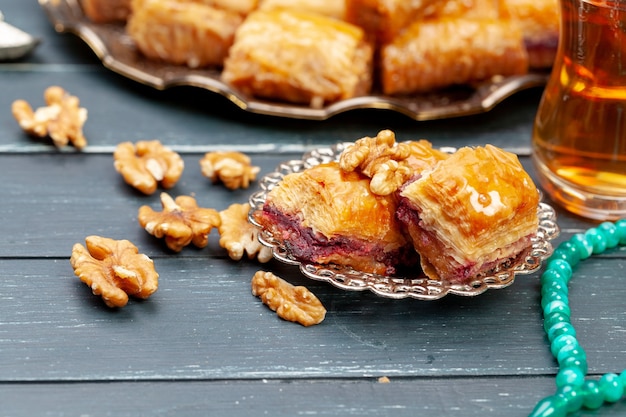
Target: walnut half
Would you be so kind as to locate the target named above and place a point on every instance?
(387, 163)
(233, 169)
(146, 164)
(114, 269)
(181, 222)
(291, 303)
(62, 119)
(238, 236)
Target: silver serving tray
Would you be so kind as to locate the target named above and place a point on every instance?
(419, 286)
(117, 52)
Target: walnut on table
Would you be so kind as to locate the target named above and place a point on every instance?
(62, 118)
(239, 236)
(146, 164)
(233, 169)
(114, 269)
(181, 222)
(291, 303)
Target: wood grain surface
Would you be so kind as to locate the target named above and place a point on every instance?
(203, 344)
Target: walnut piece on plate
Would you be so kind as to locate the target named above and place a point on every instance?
(181, 222)
(291, 303)
(233, 169)
(62, 118)
(389, 164)
(114, 269)
(146, 164)
(239, 236)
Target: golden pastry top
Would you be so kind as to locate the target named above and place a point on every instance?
(478, 200)
(267, 34)
(337, 203)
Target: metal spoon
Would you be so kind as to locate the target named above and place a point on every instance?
(14, 43)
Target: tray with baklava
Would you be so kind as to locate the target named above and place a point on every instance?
(310, 59)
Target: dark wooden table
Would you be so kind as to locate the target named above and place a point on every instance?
(203, 344)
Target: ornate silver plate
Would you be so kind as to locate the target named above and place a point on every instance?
(117, 52)
(418, 287)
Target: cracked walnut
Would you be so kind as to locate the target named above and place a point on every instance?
(388, 164)
(114, 269)
(291, 303)
(62, 118)
(238, 236)
(146, 164)
(233, 169)
(181, 222)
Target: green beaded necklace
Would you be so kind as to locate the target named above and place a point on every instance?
(573, 390)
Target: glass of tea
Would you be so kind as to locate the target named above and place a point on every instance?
(579, 135)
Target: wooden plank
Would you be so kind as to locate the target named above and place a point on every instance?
(445, 397)
(204, 323)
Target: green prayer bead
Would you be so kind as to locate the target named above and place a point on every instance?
(592, 396)
(570, 376)
(552, 406)
(560, 329)
(584, 245)
(552, 275)
(620, 229)
(554, 318)
(573, 361)
(554, 295)
(573, 397)
(559, 285)
(573, 350)
(564, 268)
(557, 306)
(560, 342)
(612, 387)
(563, 254)
(622, 378)
(597, 239)
(572, 252)
(610, 232)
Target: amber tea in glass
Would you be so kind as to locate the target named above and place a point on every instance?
(579, 136)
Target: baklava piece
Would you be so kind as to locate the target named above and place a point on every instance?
(299, 57)
(383, 20)
(106, 11)
(539, 22)
(472, 214)
(324, 215)
(183, 32)
(435, 54)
